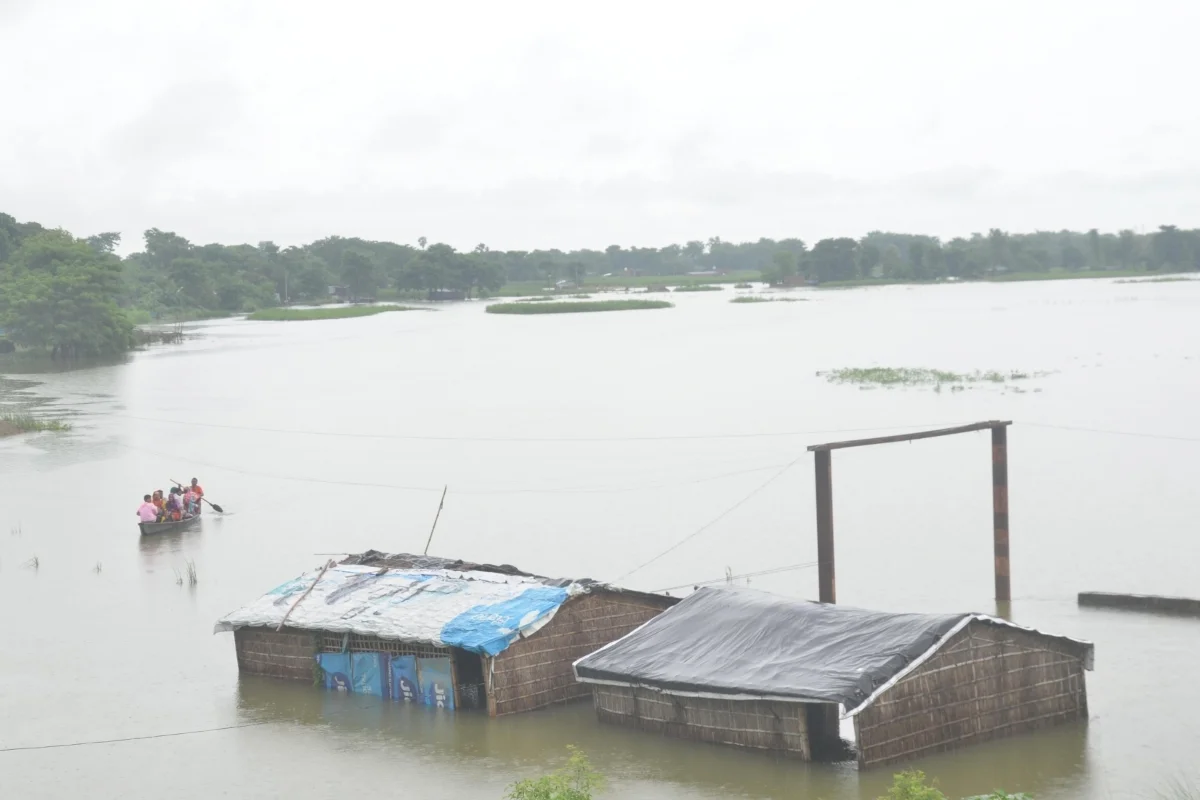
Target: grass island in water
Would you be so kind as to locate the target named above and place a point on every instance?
(575, 307)
(755, 298)
(13, 424)
(337, 312)
(890, 377)
(704, 287)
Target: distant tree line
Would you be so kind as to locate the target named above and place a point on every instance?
(76, 296)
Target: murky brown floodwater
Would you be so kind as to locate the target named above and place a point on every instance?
(461, 398)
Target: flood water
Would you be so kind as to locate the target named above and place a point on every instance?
(585, 445)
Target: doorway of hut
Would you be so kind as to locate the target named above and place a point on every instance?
(469, 679)
(825, 740)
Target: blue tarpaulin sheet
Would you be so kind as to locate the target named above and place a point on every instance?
(491, 628)
(481, 612)
(436, 685)
(369, 673)
(405, 686)
(336, 667)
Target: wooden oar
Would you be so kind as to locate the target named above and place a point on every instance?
(203, 499)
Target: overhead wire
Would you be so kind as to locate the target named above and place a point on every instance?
(401, 487)
(132, 738)
(731, 578)
(715, 520)
(513, 439)
(1136, 434)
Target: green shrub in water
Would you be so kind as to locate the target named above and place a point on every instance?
(575, 781)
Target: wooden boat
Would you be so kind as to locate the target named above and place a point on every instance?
(154, 528)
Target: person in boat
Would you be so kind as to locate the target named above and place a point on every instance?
(174, 506)
(198, 491)
(160, 503)
(191, 506)
(147, 511)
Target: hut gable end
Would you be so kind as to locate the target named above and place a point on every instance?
(985, 682)
(536, 671)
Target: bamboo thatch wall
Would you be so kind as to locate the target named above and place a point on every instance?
(988, 681)
(280, 654)
(536, 671)
(361, 643)
(758, 724)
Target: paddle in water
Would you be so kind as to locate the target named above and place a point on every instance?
(203, 499)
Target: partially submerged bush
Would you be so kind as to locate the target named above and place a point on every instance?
(27, 423)
(575, 781)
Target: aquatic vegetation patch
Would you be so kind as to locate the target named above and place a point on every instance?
(11, 424)
(576, 308)
(757, 298)
(890, 377)
(1160, 279)
(338, 312)
(702, 287)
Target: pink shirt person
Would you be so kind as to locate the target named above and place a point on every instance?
(147, 512)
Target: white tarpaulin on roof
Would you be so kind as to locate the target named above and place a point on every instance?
(483, 612)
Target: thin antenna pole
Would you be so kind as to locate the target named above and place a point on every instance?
(436, 516)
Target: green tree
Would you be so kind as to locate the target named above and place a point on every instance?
(278, 269)
(104, 242)
(60, 293)
(163, 247)
(998, 248)
(309, 276)
(784, 265)
(578, 271)
(1072, 257)
(1126, 248)
(834, 259)
(869, 257)
(576, 781)
(1169, 247)
(192, 278)
(359, 273)
(1095, 249)
(916, 259)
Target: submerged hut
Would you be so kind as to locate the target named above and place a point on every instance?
(743, 667)
(432, 631)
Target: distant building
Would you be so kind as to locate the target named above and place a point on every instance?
(747, 668)
(436, 632)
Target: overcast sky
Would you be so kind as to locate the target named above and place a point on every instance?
(526, 125)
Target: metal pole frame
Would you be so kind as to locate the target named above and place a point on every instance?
(827, 580)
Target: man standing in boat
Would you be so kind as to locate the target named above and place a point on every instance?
(198, 491)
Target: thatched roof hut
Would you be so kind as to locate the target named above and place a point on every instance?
(744, 667)
(433, 631)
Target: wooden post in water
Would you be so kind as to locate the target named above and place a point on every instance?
(1000, 511)
(823, 452)
(825, 566)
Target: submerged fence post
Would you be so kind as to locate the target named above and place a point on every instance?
(1000, 511)
(825, 566)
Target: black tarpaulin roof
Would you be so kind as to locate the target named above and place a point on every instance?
(743, 643)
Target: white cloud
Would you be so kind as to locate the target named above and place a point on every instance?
(543, 125)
